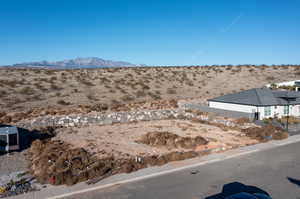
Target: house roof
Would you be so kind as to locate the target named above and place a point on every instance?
(8, 130)
(260, 97)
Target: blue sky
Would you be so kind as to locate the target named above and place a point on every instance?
(152, 32)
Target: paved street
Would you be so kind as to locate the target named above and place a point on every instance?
(267, 170)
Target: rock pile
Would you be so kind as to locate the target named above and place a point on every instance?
(15, 117)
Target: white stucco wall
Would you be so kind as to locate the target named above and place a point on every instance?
(278, 111)
(233, 107)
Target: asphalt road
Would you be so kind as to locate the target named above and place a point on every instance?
(267, 170)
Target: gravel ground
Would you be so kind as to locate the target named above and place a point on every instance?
(12, 162)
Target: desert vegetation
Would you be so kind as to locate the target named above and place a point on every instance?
(25, 89)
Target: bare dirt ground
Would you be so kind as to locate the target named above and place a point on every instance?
(94, 152)
(121, 140)
(13, 162)
(44, 90)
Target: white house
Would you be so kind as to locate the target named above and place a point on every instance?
(261, 102)
(295, 84)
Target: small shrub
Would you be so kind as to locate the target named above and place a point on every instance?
(127, 98)
(242, 120)
(26, 91)
(140, 94)
(62, 102)
(171, 91)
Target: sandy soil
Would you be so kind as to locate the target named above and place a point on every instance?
(120, 139)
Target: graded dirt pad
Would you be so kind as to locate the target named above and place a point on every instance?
(94, 152)
(120, 139)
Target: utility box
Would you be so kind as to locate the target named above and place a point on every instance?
(9, 138)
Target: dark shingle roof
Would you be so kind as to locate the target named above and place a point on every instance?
(260, 97)
(8, 130)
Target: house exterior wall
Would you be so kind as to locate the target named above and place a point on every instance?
(275, 111)
(233, 107)
(278, 111)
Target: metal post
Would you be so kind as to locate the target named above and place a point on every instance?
(287, 118)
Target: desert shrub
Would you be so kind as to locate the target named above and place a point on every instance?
(87, 83)
(52, 79)
(242, 120)
(171, 91)
(154, 96)
(99, 107)
(127, 98)
(140, 93)
(265, 133)
(63, 102)
(2, 93)
(26, 91)
(297, 73)
(270, 78)
(55, 87)
(92, 97)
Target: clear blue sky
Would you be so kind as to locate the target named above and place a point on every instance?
(152, 32)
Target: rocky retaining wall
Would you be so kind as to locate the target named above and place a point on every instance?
(117, 117)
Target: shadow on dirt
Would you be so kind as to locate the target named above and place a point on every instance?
(26, 137)
(236, 188)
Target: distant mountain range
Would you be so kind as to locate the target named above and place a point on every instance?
(86, 62)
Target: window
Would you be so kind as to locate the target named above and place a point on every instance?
(3, 140)
(267, 111)
(13, 139)
(285, 110)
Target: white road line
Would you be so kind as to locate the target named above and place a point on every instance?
(243, 153)
(284, 143)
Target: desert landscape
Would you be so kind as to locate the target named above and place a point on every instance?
(44, 91)
(89, 124)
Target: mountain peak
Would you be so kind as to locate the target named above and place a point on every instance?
(79, 62)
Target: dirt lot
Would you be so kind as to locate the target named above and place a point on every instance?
(77, 154)
(122, 140)
(67, 90)
(15, 161)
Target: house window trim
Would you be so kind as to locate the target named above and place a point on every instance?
(286, 110)
(267, 111)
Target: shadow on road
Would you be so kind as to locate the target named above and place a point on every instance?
(235, 188)
(294, 181)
